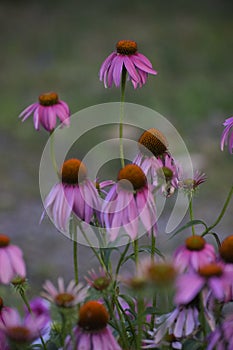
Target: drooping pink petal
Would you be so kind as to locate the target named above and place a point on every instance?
(105, 65)
(217, 287)
(17, 261)
(131, 69)
(117, 71)
(142, 66)
(28, 111)
(6, 270)
(188, 286)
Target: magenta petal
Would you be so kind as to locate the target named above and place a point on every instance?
(17, 261)
(217, 287)
(139, 64)
(144, 59)
(28, 111)
(117, 71)
(105, 65)
(6, 271)
(36, 119)
(131, 69)
(188, 286)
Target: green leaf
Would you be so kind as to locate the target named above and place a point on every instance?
(189, 224)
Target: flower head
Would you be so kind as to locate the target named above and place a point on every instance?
(64, 297)
(191, 184)
(156, 162)
(99, 281)
(180, 323)
(22, 331)
(92, 331)
(227, 135)
(75, 193)
(222, 337)
(226, 250)
(129, 200)
(213, 276)
(195, 253)
(128, 59)
(11, 261)
(46, 111)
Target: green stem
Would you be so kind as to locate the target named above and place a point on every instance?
(154, 301)
(73, 235)
(191, 211)
(140, 310)
(221, 213)
(136, 251)
(98, 256)
(52, 154)
(123, 85)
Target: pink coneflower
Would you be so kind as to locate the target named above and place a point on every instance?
(129, 200)
(194, 254)
(155, 160)
(213, 276)
(180, 323)
(11, 261)
(126, 58)
(222, 337)
(92, 331)
(63, 296)
(98, 280)
(227, 135)
(191, 184)
(76, 193)
(46, 111)
(22, 331)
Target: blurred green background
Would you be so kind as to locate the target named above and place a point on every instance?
(60, 45)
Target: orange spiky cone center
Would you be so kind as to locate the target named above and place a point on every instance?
(195, 243)
(134, 176)
(93, 316)
(126, 47)
(226, 250)
(48, 99)
(4, 240)
(73, 172)
(153, 141)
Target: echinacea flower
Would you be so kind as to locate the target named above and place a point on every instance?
(222, 337)
(46, 111)
(22, 331)
(62, 296)
(226, 250)
(227, 135)
(190, 185)
(98, 280)
(195, 253)
(214, 277)
(92, 331)
(126, 58)
(128, 201)
(11, 261)
(75, 193)
(180, 323)
(155, 160)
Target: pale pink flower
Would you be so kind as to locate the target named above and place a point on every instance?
(98, 280)
(126, 58)
(180, 323)
(191, 184)
(76, 193)
(227, 135)
(195, 253)
(92, 331)
(46, 111)
(62, 296)
(129, 201)
(11, 261)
